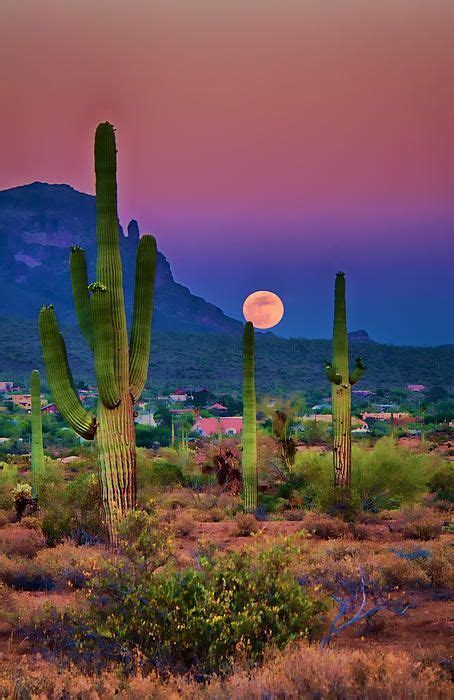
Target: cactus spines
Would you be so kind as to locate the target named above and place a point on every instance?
(342, 379)
(37, 457)
(249, 457)
(120, 372)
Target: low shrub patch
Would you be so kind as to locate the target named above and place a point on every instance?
(200, 618)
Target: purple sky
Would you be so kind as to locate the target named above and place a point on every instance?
(266, 144)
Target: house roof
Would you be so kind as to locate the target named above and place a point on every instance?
(211, 426)
(218, 407)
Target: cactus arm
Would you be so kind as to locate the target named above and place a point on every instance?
(103, 345)
(79, 282)
(249, 457)
(60, 378)
(139, 351)
(358, 371)
(333, 376)
(37, 456)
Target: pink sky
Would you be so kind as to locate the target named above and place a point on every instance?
(272, 116)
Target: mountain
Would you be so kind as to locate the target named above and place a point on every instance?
(39, 223)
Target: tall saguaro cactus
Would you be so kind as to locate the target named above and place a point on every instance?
(120, 368)
(37, 457)
(249, 457)
(342, 380)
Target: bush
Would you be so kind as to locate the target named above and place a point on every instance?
(184, 525)
(245, 524)
(20, 541)
(204, 618)
(8, 481)
(442, 484)
(422, 529)
(385, 477)
(325, 526)
(144, 541)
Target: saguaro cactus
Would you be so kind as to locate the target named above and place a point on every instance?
(37, 457)
(249, 458)
(342, 380)
(121, 371)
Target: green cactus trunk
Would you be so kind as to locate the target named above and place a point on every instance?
(342, 381)
(37, 456)
(249, 457)
(121, 367)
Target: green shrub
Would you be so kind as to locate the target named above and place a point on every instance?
(144, 541)
(382, 478)
(8, 481)
(204, 618)
(442, 484)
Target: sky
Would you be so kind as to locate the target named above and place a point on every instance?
(266, 143)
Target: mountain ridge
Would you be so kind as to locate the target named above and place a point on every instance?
(39, 220)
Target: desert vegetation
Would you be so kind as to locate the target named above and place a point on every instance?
(282, 560)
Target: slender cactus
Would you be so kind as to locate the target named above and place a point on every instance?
(120, 368)
(342, 380)
(249, 460)
(37, 457)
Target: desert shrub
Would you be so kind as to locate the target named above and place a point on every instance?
(325, 526)
(58, 568)
(69, 509)
(229, 504)
(384, 477)
(293, 514)
(20, 541)
(7, 516)
(8, 481)
(144, 540)
(165, 474)
(245, 524)
(361, 531)
(203, 618)
(184, 525)
(442, 483)
(389, 475)
(300, 671)
(425, 528)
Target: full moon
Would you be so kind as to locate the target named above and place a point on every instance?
(264, 309)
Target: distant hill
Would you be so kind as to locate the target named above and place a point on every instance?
(214, 361)
(39, 223)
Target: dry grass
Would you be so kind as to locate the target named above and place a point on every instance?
(15, 539)
(303, 671)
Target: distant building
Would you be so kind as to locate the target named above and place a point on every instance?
(22, 401)
(145, 419)
(319, 417)
(180, 395)
(360, 429)
(50, 408)
(6, 387)
(364, 393)
(212, 426)
(399, 418)
(416, 387)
